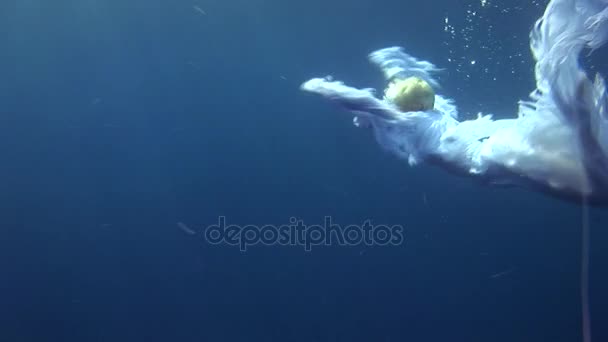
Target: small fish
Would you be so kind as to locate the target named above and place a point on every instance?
(501, 274)
(199, 10)
(194, 65)
(185, 228)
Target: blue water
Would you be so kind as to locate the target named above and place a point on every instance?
(119, 119)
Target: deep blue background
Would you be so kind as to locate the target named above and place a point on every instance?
(119, 119)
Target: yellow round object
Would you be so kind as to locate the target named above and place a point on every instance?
(412, 94)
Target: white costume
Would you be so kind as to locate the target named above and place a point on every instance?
(558, 143)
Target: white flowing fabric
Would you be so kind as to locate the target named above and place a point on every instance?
(558, 143)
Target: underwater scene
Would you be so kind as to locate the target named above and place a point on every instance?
(310, 171)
